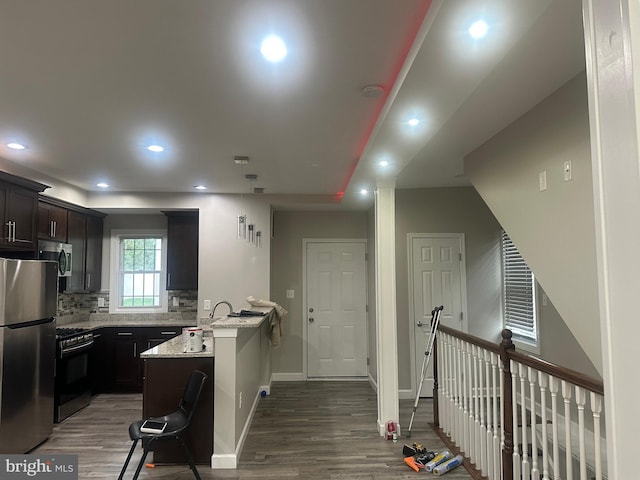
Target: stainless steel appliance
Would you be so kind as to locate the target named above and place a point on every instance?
(72, 384)
(57, 252)
(28, 301)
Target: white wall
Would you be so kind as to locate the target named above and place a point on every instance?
(229, 269)
(553, 229)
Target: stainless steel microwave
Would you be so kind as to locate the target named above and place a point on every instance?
(59, 252)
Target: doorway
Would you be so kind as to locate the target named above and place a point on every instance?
(436, 277)
(335, 308)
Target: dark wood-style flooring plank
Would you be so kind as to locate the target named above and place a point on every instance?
(303, 430)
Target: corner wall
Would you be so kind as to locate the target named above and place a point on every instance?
(553, 229)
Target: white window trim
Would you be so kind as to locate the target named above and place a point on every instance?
(114, 277)
(522, 343)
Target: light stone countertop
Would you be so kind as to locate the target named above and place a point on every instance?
(242, 322)
(174, 348)
(114, 321)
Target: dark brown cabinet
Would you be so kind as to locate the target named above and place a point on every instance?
(182, 250)
(164, 383)
(85, 235)
(18, 213)
(52, 222)
(115, 361)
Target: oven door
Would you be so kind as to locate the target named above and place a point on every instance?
(72, 383)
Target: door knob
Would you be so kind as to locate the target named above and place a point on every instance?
(310, 319)
(311, 310)
(419, 323)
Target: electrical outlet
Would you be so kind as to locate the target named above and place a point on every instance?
(290, 293)
(176, 301)
(207, 305)
(101, 301)
(240, 400)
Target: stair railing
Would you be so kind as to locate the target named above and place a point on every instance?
(500, 408)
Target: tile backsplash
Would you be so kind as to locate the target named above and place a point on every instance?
(75, 306)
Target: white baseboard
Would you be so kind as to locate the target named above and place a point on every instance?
(288, 377)
(404, 394)
(224, 461)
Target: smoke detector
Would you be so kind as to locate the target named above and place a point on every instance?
(372, 91)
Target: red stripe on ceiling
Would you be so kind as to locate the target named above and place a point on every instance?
(415, 28)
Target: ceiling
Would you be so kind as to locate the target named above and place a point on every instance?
(87, 85)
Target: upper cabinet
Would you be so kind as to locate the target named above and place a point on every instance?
(182, 250)
(52, 222)
(18, 213)
(85, 236)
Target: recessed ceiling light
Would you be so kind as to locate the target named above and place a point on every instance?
(413, 122)
(364, 191)
(102, 185)
(200, 187)
(384, 163)
(478, 29)
(273, 49)
(16, 146)
(155, 148)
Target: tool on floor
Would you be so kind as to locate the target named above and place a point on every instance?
(435, 322)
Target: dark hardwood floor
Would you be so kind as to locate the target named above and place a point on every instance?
(303, 430)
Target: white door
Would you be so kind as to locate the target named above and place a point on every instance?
(336, 309)
(436, 278)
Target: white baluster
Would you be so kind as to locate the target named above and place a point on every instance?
(483, 428)
(526, 472)
(469, 421)
(542, 381)
(459, 420)
(490, 425)
(566, 395)
(446, 381)
(501, 418)
(581, 399)
(553, 388)
(596, 408)
(452, 398)
(466, 443)
(497, 466)
(514, 401)
(450, 386)
(535, 473)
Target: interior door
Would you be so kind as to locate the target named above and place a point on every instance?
(336, 309)
(436, 272)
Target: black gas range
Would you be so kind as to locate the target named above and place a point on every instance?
(72, 383)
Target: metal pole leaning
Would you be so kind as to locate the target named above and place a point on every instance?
(435, 322)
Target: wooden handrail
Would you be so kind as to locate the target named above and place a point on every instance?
(507, 352)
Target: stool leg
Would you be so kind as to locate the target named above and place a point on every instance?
(126, 462)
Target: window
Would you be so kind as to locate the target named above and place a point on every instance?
(137, 281)
(519, 294)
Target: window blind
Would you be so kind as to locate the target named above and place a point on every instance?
(519, 298)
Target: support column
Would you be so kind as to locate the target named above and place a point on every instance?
(612, 43)
(387, 342)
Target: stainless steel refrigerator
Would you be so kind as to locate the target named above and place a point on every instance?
(28, 302)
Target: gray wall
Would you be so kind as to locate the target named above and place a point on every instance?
(289, 229)
(553, 229)
(450, 210)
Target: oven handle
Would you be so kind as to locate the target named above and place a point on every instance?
(66, 351)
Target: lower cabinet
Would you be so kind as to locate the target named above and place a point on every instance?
(164, 382)
(115, 360)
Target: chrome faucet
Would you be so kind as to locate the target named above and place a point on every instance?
(213, 312)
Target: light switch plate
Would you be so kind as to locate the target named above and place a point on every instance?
(566, 168)
(207, 305)
(176, 301)
(290, 294)
(542, 180)
(101, 301)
